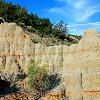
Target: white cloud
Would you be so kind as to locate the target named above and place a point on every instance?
(87, 24)
(80, 28)
(56, 10)
(85, 13)
(77, 10)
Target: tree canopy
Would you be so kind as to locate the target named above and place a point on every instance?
(31, 22)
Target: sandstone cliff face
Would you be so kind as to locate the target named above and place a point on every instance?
(81, 68)
(78, 63)
(16, 48)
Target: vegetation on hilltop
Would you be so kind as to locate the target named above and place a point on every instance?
(32, 23)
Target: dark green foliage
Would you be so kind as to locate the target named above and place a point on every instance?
(79, 37)
(20, 76)
(62, 27)
(30, 29)
(54, 81)
(34, 24)
(61, 30)
(30, 22)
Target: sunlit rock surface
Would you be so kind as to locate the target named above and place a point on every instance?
(79, 63)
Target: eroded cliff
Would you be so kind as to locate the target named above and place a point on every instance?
(79, 63)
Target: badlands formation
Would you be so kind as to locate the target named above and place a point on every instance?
(79, 63)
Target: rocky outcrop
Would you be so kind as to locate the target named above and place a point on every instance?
(17, 50)
(81, 69)
(79, 63)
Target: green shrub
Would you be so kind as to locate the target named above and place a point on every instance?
(20, 76)
(37, 77)
(40, 81)
(30, 29)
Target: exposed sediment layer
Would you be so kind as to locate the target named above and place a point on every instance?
(78, 63)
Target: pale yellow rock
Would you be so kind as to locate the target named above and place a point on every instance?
(79, 63)
(81, 68)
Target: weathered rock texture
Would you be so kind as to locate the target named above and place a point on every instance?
(81, 69)
(78, 63)
(17, 50)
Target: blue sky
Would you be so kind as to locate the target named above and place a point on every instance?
(79, 14)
